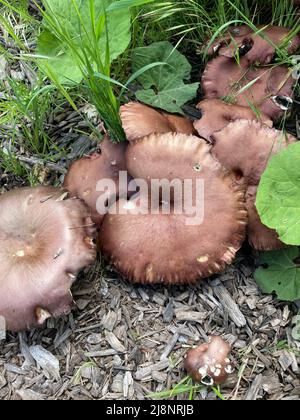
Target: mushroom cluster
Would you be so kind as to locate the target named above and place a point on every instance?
(126, 194)
(46, 239)
(152, 241)
(241, 71)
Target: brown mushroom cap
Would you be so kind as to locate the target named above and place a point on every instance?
(46, 240)
(238, 33)
(245, 148)
(257, 47)
(216, 114)
(140, 120)
(260, 236)
(163, 248)
(223, 77)
(209, 364)
(84, 174)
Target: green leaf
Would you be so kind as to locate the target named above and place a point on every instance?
(170, 99)
(164, 87)
(280, 273)
(123, 4)
(278, 197)
(77, 29)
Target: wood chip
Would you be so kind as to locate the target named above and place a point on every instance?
(230, 306)
(114, 342)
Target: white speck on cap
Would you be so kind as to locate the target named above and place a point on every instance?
(203, 371)
(20, 254)
(229, 369)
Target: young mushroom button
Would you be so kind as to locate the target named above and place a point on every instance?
(165, 240)
(209, 363)
(46, 239)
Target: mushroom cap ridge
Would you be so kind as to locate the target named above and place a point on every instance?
(140, 120)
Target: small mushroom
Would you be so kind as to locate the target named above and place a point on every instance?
(209, 363)
(149, 245)
(245, 148)
(216, 114)
(247, 86)
(140, 120)
(84, 174)
(46, 239)
(258, 47)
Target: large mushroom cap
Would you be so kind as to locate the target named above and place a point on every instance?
(216, 114)
(166, 248)
(46, 240)
(245, 148)
(248, 86)
(209, 363)
(84, 174)
(140, 120)
(258, 47)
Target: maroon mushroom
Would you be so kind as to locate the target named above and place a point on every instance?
(84, 174)
(46, 239)
(269, 90)
(209, 363)
(140, 120)
(245, 148)
(217, 114)
(257, 47)
(162, 241)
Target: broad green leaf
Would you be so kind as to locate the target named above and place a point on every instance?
(278, 197)
(123, 4)
(164, 87)
(280, 273)
(74, 26)
(170, 99)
